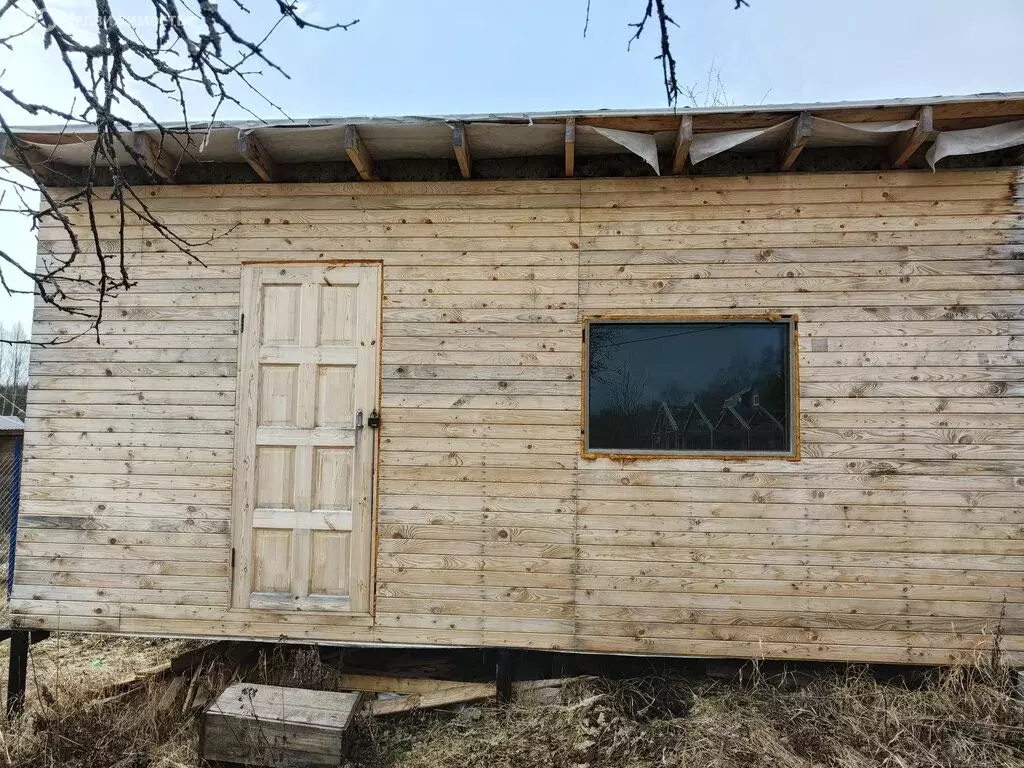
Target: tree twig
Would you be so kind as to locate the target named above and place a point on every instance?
(111, 77)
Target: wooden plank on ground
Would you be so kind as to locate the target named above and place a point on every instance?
(391, 684)
(439, 698)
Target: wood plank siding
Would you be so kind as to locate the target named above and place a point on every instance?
(897, 537)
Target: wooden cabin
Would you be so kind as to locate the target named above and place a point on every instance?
(404, 389)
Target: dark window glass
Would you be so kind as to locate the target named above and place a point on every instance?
(690, 387)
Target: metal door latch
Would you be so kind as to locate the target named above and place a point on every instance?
(359, 419)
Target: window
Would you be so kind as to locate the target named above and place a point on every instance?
(700, 387)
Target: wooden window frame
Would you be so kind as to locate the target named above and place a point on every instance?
(792, 320)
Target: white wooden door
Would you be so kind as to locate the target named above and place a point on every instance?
(305, 457)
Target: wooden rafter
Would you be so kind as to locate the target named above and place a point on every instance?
(358, 153)
(908, 142)
(256, 155)
(37, 158)
(798, 137)
(684, 138)
(570, 147)
(460, 141)
(157, 156)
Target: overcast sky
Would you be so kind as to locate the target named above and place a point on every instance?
(408, 57)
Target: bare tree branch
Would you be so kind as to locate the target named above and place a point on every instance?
(112, 78)
(115, 74)
(655, 9)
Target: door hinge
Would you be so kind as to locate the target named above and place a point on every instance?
(232, 557)
(242, 328)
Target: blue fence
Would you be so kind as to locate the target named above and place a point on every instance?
(10, 492)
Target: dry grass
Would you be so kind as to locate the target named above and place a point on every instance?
(63, 725)
(962, 718)
(967, 718)
(76, 661)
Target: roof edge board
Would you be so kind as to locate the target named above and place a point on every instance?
(531, 117)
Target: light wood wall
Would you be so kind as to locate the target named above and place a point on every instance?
(897, 537)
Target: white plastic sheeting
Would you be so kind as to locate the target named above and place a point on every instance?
(707, 145)
(829, 133)
(643, 145)
(416, 138)
(824, 133)
(972, 141)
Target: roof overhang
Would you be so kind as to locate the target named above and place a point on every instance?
(11, 425)
(902, 131)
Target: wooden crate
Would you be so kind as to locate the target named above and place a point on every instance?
(267, 725)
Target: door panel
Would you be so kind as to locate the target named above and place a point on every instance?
(304, 466)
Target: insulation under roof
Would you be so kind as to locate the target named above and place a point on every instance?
(959, 125)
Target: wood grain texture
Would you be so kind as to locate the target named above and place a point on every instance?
(895, 538)
(271, 725)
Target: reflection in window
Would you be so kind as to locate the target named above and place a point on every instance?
(690, 387)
